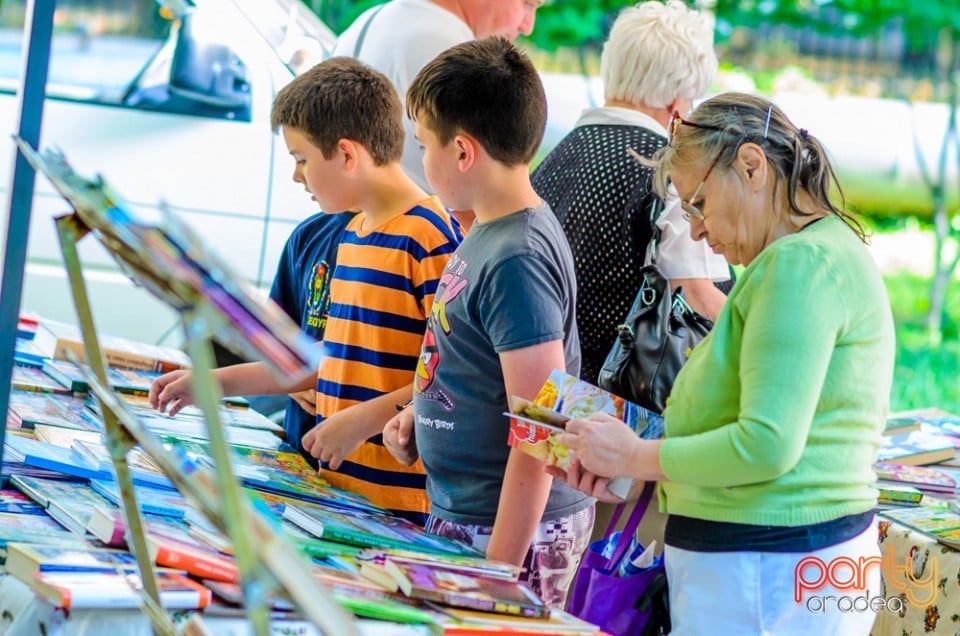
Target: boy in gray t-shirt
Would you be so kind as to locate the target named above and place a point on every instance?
(502, 319)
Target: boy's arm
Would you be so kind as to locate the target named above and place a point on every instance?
(175, 389)
(526, 484)
(341, 434)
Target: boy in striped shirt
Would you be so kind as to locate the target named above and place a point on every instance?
(341, 122)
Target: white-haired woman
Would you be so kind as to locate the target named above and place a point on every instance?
(774, 422)
(657, 59)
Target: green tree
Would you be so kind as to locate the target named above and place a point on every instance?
(932, 41)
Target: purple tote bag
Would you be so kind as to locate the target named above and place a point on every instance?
(633, 605)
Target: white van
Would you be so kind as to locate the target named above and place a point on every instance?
(178, 112)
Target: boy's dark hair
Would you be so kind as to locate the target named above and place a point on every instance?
(488, 89)
(342, 98)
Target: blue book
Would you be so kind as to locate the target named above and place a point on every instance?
(154, 501)
(67, 461)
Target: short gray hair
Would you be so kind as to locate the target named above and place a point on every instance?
(657, 52)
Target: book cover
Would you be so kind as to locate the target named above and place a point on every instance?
(103, 590)
(480, 566)
(31, 409)
(193, 559)
(534, 424)
(916, 448)
(16, 502)
(165, 503)
(67, 461)
(28, 354)
(40, 529)
(70, 503)
(898, 494)
(142, 473)
(934, 520)
(26, 378)
(458, 589)
(934, 479)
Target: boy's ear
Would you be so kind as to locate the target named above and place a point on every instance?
(466, 149)
(349, 154)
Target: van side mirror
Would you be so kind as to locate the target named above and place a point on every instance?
(207, 71)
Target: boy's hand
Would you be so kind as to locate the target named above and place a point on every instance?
(398, 437)
(174, 389)
(307, 400)
(335, 438)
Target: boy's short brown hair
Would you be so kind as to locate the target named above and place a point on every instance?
(342, 98)
(488, 89)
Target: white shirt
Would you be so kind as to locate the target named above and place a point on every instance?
(678, 255)
(400, 40)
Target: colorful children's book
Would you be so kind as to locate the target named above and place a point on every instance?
(370, 531)
(39, 529)
(916, 449)
(26, 378)
(894, 494)
(934, 520)
(459, 589)
(70, 503)
(935, 479)
(534, 424)
(16, 502)
(29, 409)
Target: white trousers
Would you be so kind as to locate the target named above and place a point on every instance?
(754, 593)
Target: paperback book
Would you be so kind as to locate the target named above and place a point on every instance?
(103, 590)
(917, 448)
(534, 424)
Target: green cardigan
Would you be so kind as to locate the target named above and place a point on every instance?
(777, 416)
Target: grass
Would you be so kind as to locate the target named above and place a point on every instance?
(925, 375)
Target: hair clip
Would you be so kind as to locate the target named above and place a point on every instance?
(766, 126)
(803, 135)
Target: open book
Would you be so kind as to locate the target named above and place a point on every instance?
(534, 424)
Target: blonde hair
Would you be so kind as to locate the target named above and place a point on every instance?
(721, 124)
(657, 52)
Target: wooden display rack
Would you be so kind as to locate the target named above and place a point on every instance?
(265, 561)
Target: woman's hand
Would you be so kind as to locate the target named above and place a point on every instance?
(399, 439)
(585, 481)
(602, 444)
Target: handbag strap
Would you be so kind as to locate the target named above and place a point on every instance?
(633, 522)
(363, 31)
(656, 209)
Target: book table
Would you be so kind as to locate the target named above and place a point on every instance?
(22, 613)
(926, 576)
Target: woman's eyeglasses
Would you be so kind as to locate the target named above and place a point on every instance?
(691, 209)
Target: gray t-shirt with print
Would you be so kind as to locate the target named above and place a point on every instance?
(509, 285)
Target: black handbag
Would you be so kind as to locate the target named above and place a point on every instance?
(654, 340)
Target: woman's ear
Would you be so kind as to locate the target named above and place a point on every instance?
(751, 163)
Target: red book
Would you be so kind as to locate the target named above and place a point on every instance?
(204, 564)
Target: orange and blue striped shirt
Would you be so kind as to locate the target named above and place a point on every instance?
(381, 293)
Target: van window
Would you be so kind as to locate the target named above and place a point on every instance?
(130, 53)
